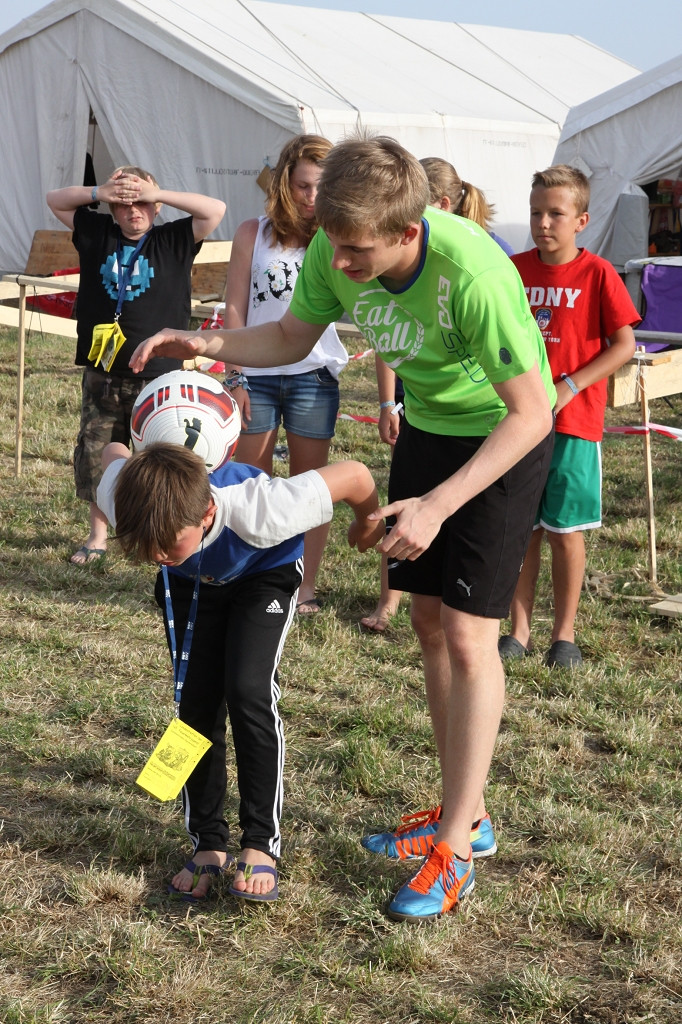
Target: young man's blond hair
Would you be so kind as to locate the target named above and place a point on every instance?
(370, 186)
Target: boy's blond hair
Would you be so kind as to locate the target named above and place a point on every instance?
(160, 491)
(286, 223)
(139, 171)
(563, 176)
(370, 186)
(466, 200)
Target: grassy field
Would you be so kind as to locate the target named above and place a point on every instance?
(577, 919)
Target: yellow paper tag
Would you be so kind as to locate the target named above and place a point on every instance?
(107, 340)
(96, 343)
(172, 761)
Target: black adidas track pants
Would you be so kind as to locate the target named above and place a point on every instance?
(238, 639)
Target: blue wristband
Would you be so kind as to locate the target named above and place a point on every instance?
(386, 405)
(93, 194)
(571, 384)
(236, 379)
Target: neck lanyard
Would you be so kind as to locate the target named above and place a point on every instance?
(125, 270)
(180, 667)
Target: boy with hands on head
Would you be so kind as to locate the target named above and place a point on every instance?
(133, 274)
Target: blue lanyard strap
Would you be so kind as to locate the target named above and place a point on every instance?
(180, 666)
(125, 270)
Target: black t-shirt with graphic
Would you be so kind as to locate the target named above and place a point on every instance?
(158, 293)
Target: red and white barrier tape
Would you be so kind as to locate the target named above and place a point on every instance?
(673, 432)
(358, 419)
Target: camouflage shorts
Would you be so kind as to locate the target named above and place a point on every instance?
(106, 405)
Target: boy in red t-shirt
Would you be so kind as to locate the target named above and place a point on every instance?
(586, 318)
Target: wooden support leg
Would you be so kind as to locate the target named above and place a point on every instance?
(651, 522)
(20, 379)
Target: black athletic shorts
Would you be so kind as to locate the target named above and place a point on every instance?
(473, 563)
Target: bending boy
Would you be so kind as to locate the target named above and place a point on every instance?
(440, 302)
(243, 533)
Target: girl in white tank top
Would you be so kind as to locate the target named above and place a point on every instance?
(267, 253)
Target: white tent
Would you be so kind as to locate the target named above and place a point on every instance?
(205, 94)
(627, 137)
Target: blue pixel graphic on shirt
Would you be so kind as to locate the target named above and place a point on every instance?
(140, 279)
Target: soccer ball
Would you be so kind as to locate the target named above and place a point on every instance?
(191, 409)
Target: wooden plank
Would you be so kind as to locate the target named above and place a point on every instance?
(663, 372)
(51, 243)
(40, 323)
(208, 281)
(43, 285)
(50, 251)
(54, 250)
(202, 309)
(214, 252)
(671, 606)
(349, 332)
(209, 271)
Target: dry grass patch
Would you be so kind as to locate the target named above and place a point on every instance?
(575, 921)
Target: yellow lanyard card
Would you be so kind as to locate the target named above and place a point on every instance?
(172, 761)
(107, 340)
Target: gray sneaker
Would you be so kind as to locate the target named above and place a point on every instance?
(564, 654)
(509, 648)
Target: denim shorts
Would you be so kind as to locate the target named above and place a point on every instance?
(305, 403)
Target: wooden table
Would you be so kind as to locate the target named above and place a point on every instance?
(50, 324)
(648, 375)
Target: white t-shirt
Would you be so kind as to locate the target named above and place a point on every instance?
(274, 270)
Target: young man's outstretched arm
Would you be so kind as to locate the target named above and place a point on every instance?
(272, 344)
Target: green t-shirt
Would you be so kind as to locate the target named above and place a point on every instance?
(462, 322)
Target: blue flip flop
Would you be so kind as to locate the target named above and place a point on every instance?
(197, 871)
(256, 869)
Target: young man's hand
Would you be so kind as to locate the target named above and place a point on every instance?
(171, 344)
(418, 520)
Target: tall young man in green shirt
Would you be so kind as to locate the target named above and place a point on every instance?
(440, 302)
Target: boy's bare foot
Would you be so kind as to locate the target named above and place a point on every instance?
(259, 884)
(186, 881)
(92, 549)
(379, 620)
(84, 555)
